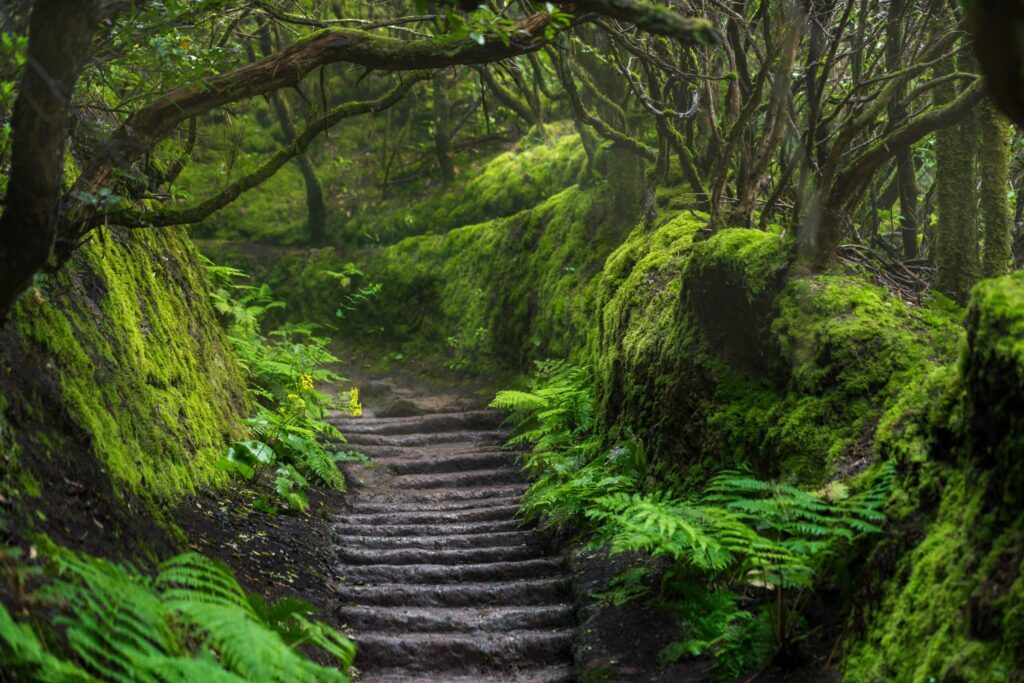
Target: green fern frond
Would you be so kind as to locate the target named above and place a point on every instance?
(192, 623)
(191, 577)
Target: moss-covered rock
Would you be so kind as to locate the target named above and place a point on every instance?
(993, 371)
(120, 392)
(953, 602)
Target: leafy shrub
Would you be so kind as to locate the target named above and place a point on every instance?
(744, 551)
(282, 368)
(192, 622)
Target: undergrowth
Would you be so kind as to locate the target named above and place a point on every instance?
(282, 368)
(744, 553)
(191, 622)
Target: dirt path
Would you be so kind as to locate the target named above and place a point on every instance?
(440, 581)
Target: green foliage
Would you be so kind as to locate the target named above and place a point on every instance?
(191, 622)
(714, 622)
(283, 368)
(739, 536)
(556, 418)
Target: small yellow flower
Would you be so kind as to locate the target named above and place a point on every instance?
(306, 382)
(355, 408)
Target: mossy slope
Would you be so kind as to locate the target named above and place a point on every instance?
(120, 391)
(534, 169)
(495, 294)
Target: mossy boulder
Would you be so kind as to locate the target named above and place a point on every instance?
(993, 372)
(120, 392)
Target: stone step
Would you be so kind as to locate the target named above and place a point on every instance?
(443, 495)
(451, 573)
(410, 440)
(480, 459)
(359, 505)
(451, 556)
(552, 591)
(484, 540)
(427, 619)
(488, 527)
(479, 514)
(419, 424)
(553, 674)
(483, 477)
(459, 652)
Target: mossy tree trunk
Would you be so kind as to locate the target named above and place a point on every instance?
(994, 167)
(442, 132)
(956, 234)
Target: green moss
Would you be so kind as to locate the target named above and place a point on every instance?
(494, 294)
(753, 257)
(537, 168)
(141, 364)
(952, 611)
(993, 371)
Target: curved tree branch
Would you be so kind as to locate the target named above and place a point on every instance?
(166, 217)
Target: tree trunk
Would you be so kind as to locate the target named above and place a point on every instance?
(442, 136)
(994, 167)
(60, 36)
(906, 175)
(956, 239)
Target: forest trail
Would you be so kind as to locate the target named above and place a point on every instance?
(440, 580)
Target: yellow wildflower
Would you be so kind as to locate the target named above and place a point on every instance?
(355, 408)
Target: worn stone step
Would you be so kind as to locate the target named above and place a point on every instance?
(461, 462)
(371, 506)
(453, 572)
(414, 556)
(499, 539)
(459, 652)
(409, 440)
(488, 527)
(480, 514)
(445, 494)
(385, 454)
(452, 479)
(552, 591)
(427, 619)
(552, 674)
(419, 424)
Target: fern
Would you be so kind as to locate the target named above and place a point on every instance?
(192, 622)
(283, 367)
(741, 534)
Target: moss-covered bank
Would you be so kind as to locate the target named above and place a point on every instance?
(119, 393)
